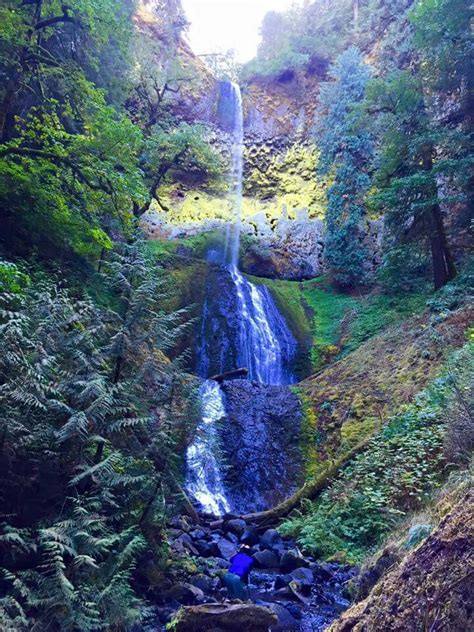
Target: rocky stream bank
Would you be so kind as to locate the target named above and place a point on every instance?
(288, 591)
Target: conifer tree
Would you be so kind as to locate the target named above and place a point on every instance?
(346, 152)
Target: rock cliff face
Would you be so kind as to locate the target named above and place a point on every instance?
(283, 197)
(430, 590)
(261, 444)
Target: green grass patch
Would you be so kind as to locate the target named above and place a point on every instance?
(329, 307)
(377, 311)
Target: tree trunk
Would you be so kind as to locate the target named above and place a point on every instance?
(443, 264)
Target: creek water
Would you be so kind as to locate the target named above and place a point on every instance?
(257, 333)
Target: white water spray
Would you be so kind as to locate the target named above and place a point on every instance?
(204, 481)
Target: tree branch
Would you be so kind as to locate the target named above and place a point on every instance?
(55, 20)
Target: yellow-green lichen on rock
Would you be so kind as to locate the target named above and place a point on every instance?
(285, 180)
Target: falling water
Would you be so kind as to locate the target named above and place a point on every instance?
(237, 167)
(204, 480)
(265, 345)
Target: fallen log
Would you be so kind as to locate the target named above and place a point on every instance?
(230, 375)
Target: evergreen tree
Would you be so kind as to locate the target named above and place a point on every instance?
(346, 152)
(409, 165)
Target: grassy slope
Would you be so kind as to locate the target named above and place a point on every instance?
(376, 384)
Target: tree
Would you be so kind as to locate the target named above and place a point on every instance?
(346, 151)
(69, 170)
(179, 150)
(408, 169)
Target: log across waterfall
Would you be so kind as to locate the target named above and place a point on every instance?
(241, 327)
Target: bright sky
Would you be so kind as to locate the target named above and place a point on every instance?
(220, 25)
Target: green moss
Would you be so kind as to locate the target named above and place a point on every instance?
(355, 430)
(309, 435)
(329, 308)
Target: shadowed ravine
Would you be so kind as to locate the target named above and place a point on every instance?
(245, 456)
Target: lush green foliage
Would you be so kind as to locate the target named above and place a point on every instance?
(329, 309)
(74, 169)
(86, 467)
(346, 151)
(397, 472)
(375, 312)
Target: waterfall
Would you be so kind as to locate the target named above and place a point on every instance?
(262, 340)
(237, 168)
(204, 480)
(266, 345)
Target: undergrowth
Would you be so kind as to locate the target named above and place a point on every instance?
(394, 476)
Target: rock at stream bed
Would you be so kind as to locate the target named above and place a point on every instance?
(291, 560)
(225, 617)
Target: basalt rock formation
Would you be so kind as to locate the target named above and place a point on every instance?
(261, 446)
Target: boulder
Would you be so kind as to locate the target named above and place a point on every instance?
(225, 617)
(290, 560)
(250, 536)
(236, 526)
(303, 575)
(270, 538)
(282, 581)
(286, 621)
(232, 537)
(323, 572)
(185, 593)
(206, 549)
(198, 534)
(226, 549)
(266, 559)
(185, 543)
(203, 582)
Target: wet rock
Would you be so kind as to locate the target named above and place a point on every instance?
(294, 610)
(266, 559)
(286, 621)
(185, 593)
(206, 549)
(232, 538)
(250, 536)
(303, 575)
(203, 582)
(270, 538)
(322, 572)
(236, 526)
(226, 549)
(185, 543)
(290, 560)
(226, 618)
(282, 581)
(198, 534)
(262, 424)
